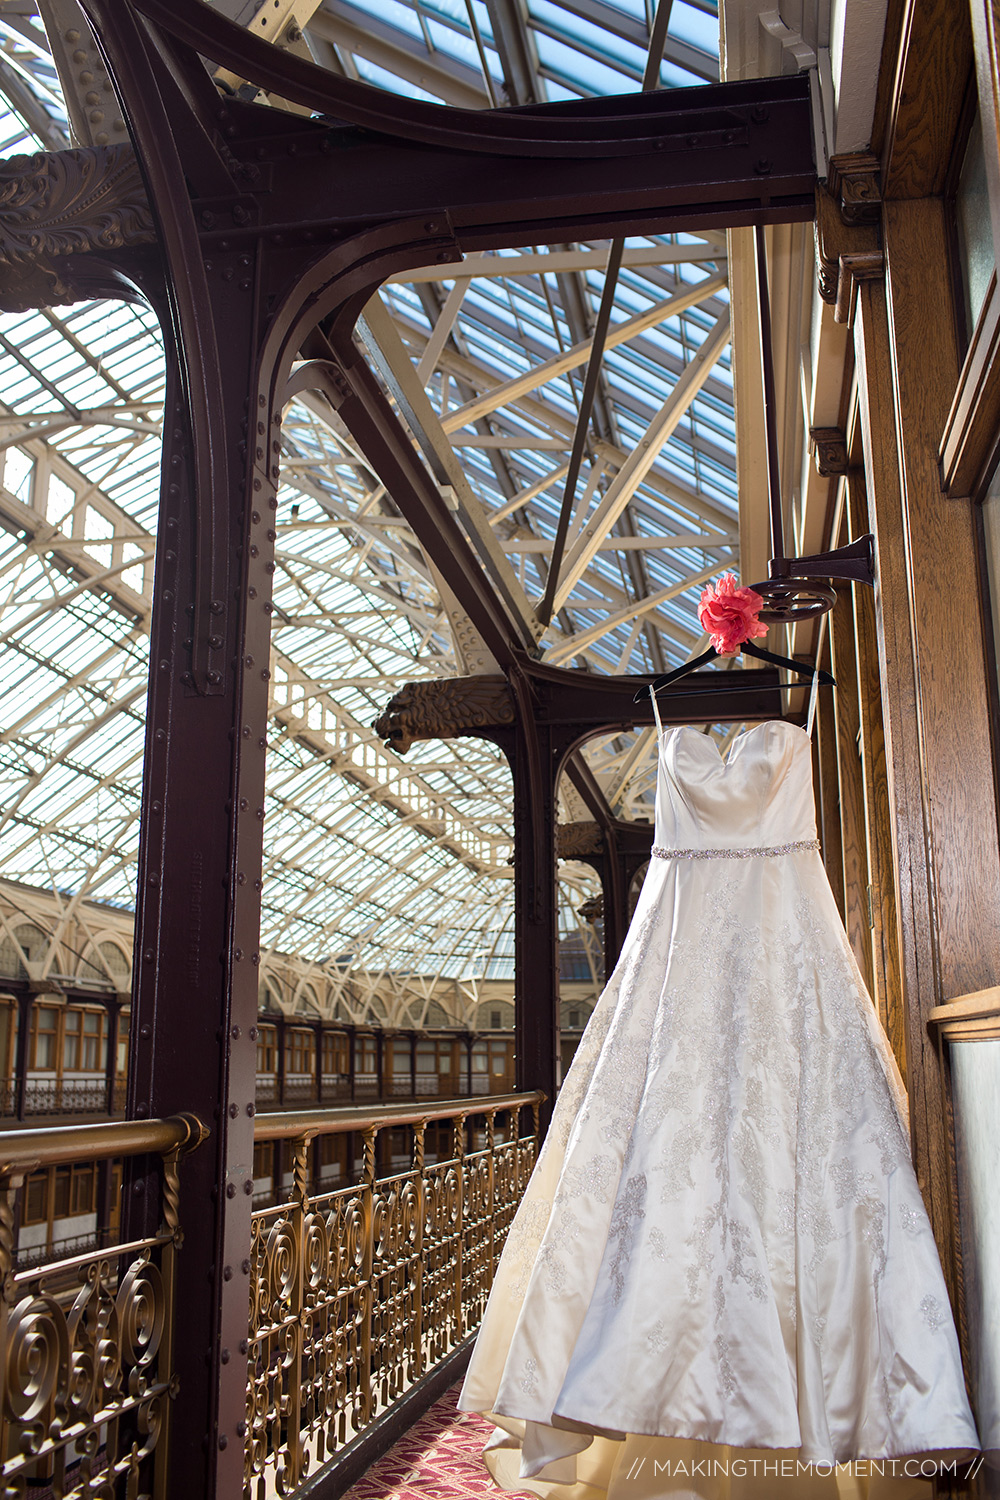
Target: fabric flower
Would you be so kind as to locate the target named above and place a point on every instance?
(729, 614)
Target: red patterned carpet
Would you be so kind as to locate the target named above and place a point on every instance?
(438, 1459)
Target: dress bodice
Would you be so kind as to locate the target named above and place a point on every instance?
(760, 796)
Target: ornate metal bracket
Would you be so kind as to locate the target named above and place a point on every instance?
(442, 709)
(58, 204)
(576, 839)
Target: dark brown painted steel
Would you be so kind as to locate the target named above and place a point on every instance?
(272, 225)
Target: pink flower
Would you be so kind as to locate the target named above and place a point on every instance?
(729, 614)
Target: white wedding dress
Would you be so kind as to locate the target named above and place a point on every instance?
(723, 1246)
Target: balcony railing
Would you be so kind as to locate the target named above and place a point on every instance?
(358, 1292)
(87, 1340)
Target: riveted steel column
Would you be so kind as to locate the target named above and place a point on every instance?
(199, 880)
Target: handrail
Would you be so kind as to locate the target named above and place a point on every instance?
(27, 1150)
(306, 1123)
(359, 1288)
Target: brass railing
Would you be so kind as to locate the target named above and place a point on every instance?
(86, 1341)
(357, 1292)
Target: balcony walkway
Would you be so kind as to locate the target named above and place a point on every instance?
(440, 1458)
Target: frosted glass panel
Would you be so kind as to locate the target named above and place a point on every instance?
(976, 1082)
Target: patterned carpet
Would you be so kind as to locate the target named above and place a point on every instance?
(440, 1458)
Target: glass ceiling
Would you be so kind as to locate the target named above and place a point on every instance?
(377, 868)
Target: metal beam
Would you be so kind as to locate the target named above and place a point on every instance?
(527, 263)
(640, 461)
(567, 649)
(510, 391)
(695, 539)
(382, 340)
(377, 41)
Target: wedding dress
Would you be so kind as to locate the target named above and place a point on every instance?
(723, 1248)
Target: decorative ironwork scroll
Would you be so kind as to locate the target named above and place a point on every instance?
(357, 1293)
(86, 1342)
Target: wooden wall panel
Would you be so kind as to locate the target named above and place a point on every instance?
(938, 763)
(949, 648)
(886, 973)
(934, 67)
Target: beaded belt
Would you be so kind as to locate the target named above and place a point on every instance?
(733, 853)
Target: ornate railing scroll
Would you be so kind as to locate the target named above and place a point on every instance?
(357, 1293)
(86, 1341)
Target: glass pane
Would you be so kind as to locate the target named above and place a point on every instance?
(991, 537)
(977, 257)
(83, 1190)
(976, 1082)
(36, 1199)
(62, 1199)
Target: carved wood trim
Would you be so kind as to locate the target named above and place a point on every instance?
(854, 179)
(846, 255)
(829, 451)
(968, 1018)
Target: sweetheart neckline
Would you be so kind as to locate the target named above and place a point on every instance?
(724, 761)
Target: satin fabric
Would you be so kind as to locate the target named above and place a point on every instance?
(723, 1241)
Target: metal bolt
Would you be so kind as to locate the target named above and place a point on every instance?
(234, 1110)
(225, 1356)
(223, 1440)
(227, 1271)
(248, 1189)
(762, 166)
(230, 1193)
